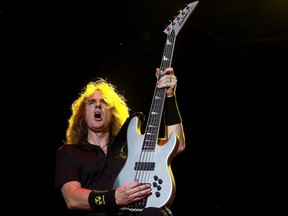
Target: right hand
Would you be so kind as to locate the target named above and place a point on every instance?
(131, 192)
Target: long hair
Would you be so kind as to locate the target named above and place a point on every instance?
(77, 129)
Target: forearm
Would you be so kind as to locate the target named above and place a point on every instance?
(78, 198)
(178, 130)
(173, 121)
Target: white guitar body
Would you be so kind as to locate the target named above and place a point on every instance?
(160, 177)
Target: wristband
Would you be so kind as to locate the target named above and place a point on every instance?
(99, 200)
(172, 114)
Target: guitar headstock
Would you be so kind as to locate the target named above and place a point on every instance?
(179, 21)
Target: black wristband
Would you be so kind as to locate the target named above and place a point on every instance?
(99, 200)
(171, 111)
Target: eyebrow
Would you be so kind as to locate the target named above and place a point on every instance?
(92, 100)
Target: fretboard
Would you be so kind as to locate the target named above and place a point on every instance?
(156, 109)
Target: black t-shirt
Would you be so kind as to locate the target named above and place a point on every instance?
(89, 165)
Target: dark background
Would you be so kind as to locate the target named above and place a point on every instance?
(230, 61)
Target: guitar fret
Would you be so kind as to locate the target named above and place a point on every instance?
(152, 126)
(165, 58)
(158, 98)
(168, 42)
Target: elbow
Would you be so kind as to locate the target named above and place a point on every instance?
(71, 205)
(181, 147)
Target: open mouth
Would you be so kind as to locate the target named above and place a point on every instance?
(97, 115)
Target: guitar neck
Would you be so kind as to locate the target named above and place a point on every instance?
(156, 110)
(168, 53)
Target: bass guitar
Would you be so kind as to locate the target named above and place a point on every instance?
(150, 162)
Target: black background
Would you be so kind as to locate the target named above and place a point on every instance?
(230, 61)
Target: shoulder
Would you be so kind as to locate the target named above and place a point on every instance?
(69, 149)
(70, 153)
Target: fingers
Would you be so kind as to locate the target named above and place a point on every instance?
(168, 81)
(140, 189)
(167, 76)
(132, 192)
(168, 70)
(140, 192)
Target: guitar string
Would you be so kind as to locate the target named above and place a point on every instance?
(157, 107)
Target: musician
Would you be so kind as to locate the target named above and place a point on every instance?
(95, 150)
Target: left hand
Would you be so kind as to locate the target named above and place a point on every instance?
(168, 80)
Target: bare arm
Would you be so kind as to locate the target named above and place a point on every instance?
(77, 197)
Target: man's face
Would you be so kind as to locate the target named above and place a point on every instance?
(97, 113)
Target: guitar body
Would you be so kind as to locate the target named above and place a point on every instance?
(160, 176)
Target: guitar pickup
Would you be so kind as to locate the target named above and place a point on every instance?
(148, 166)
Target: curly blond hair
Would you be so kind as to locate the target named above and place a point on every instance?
(77, 128)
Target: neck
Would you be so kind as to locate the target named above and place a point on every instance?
(99, 139)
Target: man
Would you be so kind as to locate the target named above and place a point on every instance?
(95, 150)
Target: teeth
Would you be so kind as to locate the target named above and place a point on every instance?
(97, 115)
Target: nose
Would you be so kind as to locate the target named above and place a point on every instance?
(98, 103)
